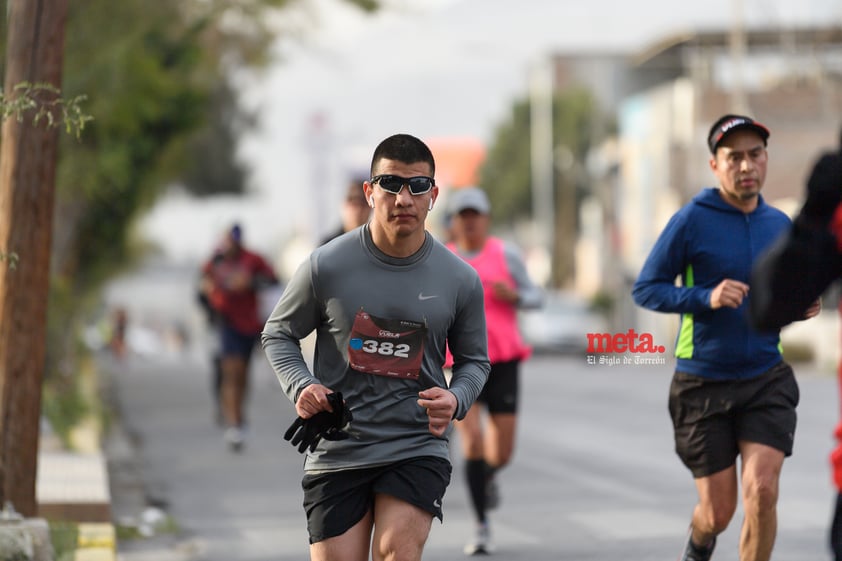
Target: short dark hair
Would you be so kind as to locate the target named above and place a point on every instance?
(403, 148)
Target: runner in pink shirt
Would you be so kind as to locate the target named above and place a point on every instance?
(507, 288)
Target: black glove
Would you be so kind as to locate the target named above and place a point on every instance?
(824, 192)
(306, 433)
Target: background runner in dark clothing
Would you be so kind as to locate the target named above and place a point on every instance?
(797, 270)
(231, 280)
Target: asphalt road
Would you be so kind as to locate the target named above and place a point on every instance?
(594, 475)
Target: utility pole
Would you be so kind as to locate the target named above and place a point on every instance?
(35, 54)
(541, 152)
(738, 47)
(319, 142)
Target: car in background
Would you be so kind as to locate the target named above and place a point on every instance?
(561, 325)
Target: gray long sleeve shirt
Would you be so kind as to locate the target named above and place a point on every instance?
(381, 326)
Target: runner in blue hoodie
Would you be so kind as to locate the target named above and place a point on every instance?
(732, 394)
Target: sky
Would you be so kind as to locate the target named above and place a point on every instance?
(344, 80)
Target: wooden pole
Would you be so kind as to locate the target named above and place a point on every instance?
(27, 186)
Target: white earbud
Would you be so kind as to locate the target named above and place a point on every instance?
(371, 202)
(431, 205)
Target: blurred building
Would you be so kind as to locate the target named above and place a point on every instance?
(788, 80)
(664, 99)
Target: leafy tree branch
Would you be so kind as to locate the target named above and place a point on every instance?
(45, 103)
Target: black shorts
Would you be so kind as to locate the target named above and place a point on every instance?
(234, 343)
(500, 393)
(335, 501)
(710, 417)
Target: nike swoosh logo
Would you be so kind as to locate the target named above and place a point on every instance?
(437, 503)
(422, 296)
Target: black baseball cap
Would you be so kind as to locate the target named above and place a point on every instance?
(728, 124)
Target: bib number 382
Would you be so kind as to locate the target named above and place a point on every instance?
(386, 347)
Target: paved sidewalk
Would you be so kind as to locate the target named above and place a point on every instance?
(73, 486)
(133, 498)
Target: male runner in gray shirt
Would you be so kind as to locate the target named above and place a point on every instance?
(383, 300)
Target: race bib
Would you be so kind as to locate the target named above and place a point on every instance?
(386, 347)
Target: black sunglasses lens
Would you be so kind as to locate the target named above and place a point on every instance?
(391, 183)
(419, 185)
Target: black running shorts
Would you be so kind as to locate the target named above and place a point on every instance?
(710, 417)
(500, 393)
(335, 501)
(235, 343)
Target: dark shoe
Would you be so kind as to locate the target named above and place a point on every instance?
(693, 552)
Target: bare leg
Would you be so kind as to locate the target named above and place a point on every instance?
(233, 389)
(716, 506)
(500, 439)
(470, 433)
(761, 472)
(400, 530)
(353, 545)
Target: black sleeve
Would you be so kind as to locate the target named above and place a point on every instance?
(791, 275)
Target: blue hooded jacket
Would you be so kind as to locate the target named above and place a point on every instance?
(704, 243)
